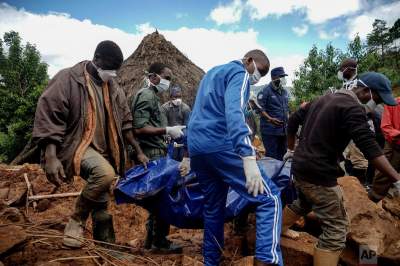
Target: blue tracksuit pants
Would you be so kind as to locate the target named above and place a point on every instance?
(217, 172)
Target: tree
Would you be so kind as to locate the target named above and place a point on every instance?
(379, 38)
(24, 76)
(317, 74)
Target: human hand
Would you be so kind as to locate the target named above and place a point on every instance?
(276, 121)
(254, 180)
(142, 158)
(175, 132)
(288, 155)
(54, 171)
(184, 167)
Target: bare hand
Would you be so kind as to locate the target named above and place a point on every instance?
(143, 159)
(54, 171)
(276, 122)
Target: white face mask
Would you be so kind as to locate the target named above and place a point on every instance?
(105, 75)
(341, 77)
(283, 82)
(256, 76)
(176, 102)
(163, 85)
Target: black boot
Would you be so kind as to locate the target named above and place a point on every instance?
(103, 228)
(161, 244)
(148, 242)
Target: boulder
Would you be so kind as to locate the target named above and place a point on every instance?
(298, 252)
(370, 225)
(392, 205)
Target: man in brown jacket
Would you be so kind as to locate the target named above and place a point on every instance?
(81, 124)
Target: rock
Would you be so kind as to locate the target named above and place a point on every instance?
(17, 193)
(43, 205)
(12, 237)
(4, 193)
(370, 225)
(392, 205)
(12, 215)
(188, 261)
(298, 252)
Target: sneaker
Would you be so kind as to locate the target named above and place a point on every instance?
(72, 233)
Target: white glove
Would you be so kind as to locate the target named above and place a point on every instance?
(254, 180)
(288, 155)
(184, 167)
(175, 132)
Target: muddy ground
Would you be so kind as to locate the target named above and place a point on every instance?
(32, 236)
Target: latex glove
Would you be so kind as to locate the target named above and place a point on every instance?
(288, 155)
(175, 132)
(254, 180)
(184, 167)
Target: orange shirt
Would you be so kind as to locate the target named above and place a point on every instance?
(390, 124)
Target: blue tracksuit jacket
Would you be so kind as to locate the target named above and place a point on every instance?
(217, 122)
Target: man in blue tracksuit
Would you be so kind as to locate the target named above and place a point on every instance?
(222, 156)
(274, 116)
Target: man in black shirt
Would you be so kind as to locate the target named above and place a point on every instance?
(328, 125)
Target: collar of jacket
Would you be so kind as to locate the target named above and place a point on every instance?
(78, 74)
(350, 93)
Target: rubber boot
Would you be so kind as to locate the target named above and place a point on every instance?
(161, 244)
(289, 217)
(148, 242)
(73, 232)
(103, 228)
(74, 229)
(324, 257)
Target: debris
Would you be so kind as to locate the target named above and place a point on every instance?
(50, 196)
(43, 205)
(392, 205)
(246, 261)
(298, 252)
(12, 237)
(188, 261)
(12, 215)
(370, 225)
(16, 195)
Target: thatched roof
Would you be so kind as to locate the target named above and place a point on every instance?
(155, 48)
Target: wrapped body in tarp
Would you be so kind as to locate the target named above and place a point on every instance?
(179, 200)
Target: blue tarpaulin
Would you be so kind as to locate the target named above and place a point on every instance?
(178, 200)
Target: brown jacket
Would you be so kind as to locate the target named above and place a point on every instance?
(64, 116)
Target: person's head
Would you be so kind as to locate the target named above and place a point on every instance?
(107, 59)
(256, 64)
(278, 77)
(347, 69)
(160, 76)
(374, 86)
(175, 95)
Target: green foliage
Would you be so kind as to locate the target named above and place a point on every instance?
(379, 53)
(23, 78)
(317, 74)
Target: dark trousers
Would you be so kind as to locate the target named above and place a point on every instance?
(275, 146)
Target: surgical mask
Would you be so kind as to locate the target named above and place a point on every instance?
(282, 82)
(176, 102)
(163, 85)
(256, 76)
(371, 105)
(105, 75)
(371, 101)
(341, 77)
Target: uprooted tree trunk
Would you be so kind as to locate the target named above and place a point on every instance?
(30, 153)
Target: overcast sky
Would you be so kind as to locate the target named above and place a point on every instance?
(208, 32)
